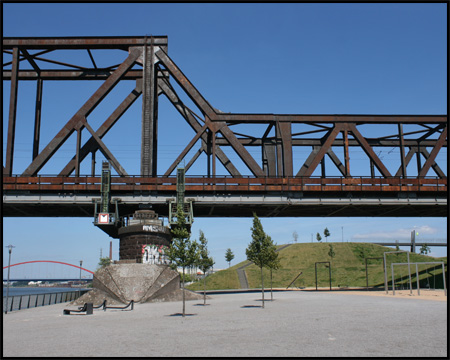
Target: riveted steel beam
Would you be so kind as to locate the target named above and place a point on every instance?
(87, 42)
(431, 159)
(88, 74)
(283, 130)
(91, 146)
(277, 150)
(186, 113)
(185, 151)
(241, 150)
(368, 150)
(307, 170)
(331, 119)
(78, 119)
(435, 166)
(149, 138)
(187, 86)
(12, 115)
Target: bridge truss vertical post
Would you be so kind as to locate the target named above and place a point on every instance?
(149, 112)
(402, 149)
(37, 118)
(105, 187)
(12, 114)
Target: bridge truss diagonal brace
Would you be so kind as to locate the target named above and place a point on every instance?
(368, 150)
(431, 159)
(240, 149)
(415, 150)
(337, 162)
(78, 120)
(186, 113)
(185, 84)
(105, 151)
(407, 159)
(316, 156)
(186, 150)
(434, 165)
(92, 145)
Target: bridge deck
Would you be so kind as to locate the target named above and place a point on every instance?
(231, 196)
(166, 183)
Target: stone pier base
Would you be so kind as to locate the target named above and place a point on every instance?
(121, 283)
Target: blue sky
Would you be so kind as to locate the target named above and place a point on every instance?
(251, 58)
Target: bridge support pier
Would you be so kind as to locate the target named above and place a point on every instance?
(144, 239)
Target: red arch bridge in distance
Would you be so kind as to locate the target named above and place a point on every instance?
(48, 261)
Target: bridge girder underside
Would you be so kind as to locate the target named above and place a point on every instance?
(240, 205)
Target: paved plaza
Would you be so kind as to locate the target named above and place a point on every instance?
(296, 323)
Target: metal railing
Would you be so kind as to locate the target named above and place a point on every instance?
(226, 183)
(19, 302)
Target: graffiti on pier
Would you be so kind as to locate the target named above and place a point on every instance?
(154, 254)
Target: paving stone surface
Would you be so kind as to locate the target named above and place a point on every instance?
(296, 323)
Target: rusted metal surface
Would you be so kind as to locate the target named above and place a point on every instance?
(88, 74)
(78, 120)
(331, 119)
(149, 140)
(231, 184)
(12, 115)
(87, 42)
(320, 133)
(430, 161)
(37, 118)
(91, 145)
(187, 86)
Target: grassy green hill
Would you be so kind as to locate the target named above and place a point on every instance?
(347, 268)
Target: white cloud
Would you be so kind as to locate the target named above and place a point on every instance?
(396, 234)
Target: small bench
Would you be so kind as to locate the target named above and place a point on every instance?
(103, 304)
(131, 303)
(88, 308)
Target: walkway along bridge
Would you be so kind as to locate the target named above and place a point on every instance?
(279, 183)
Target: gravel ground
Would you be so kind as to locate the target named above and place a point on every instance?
(296, 323)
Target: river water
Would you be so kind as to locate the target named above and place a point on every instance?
(28, 297)
(17, 291)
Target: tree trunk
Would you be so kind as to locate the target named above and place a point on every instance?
(262, 286)
(204, 288)
(271, 286)
(183, 294)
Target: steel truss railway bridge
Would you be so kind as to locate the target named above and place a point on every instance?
(273, 185)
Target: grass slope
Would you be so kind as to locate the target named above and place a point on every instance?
(347, 268)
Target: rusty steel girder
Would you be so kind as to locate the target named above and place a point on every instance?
(212, 129)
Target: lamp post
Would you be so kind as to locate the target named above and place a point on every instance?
(7, 286)
(79, 289)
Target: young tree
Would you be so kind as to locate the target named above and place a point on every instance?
(229, 256)
(104, 261)
(258, 251)
(425, 249)
(331, 252)
(326, 233)
(182, 252)
(318, 237)
(273, 263)
(295, 236)
(204, 262)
